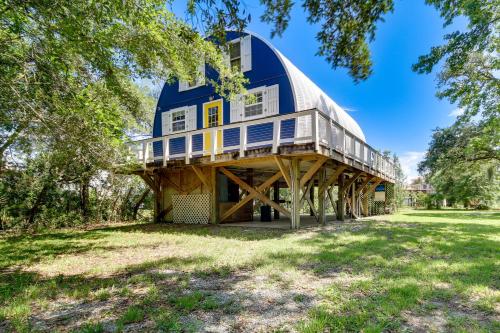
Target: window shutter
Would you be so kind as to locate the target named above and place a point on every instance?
(191, 118)
(166, 123)
(183, 85)
(272, 97)
(246, 53)
(226, 58)
(236, 109)
(201, 80)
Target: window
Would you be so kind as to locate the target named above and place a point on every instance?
(213, 116)
(197, 82)
(239, 54)
(254, 104)
(235, 55)
(178, 121)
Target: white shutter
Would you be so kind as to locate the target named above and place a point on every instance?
(272, 98)
(183, 85)
(191, 118)
(226, 58)
(201, 79)
(236, 109)
(166, 123)
(246, 53)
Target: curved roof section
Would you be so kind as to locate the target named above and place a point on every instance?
(309, 96)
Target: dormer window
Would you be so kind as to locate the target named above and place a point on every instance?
(240, 54)
(198, 82)
(235, 55)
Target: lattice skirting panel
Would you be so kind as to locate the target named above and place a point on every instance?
(191, 208)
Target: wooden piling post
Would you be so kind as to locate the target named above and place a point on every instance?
(214, 197)
(158, 198)
(311, 196)
(321, 196)
(340, 199)
(353, 200)
(276, 198)
(295, 192)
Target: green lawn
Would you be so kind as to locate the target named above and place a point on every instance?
(414, 271)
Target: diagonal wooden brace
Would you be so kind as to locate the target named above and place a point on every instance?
(285, 171)
(333, 178)
(312, 170)
(253, 193)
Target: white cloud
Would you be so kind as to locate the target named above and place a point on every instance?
(457, 112)
(409, 163)
(348, 109)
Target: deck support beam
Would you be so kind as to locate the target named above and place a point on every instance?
(295, 192)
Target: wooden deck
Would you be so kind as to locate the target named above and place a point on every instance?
(322, 158)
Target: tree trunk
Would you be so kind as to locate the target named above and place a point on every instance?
(34, 209)
(139, 202)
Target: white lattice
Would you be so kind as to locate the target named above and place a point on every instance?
(191, 208)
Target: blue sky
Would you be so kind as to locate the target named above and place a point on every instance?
(396, 108)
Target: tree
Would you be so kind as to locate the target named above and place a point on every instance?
(462, 163)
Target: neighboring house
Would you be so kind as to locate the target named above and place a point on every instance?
(413, 189)
(284, 127)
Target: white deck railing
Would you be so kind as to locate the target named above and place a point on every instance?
(318, 128)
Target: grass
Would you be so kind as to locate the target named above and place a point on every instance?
(415, 270)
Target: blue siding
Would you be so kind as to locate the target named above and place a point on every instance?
(266, 70)
(177, 146)
(197, 142)
(231, 137)
(157, 149)
(260, 133)
(287, 129)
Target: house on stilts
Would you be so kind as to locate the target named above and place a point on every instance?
(211, 160)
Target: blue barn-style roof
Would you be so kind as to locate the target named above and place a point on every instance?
(265, 67)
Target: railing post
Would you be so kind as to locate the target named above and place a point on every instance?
(145, 153)
(314, 129)
(243, 140)
(214, 145)
(166, 150)
(329, 135)
(343, 143)
(189, 148)
(276, 135)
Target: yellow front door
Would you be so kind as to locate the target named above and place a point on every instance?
(212, 117)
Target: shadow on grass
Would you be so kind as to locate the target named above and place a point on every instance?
(237, 233)
(458, 215)
(401, 264)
